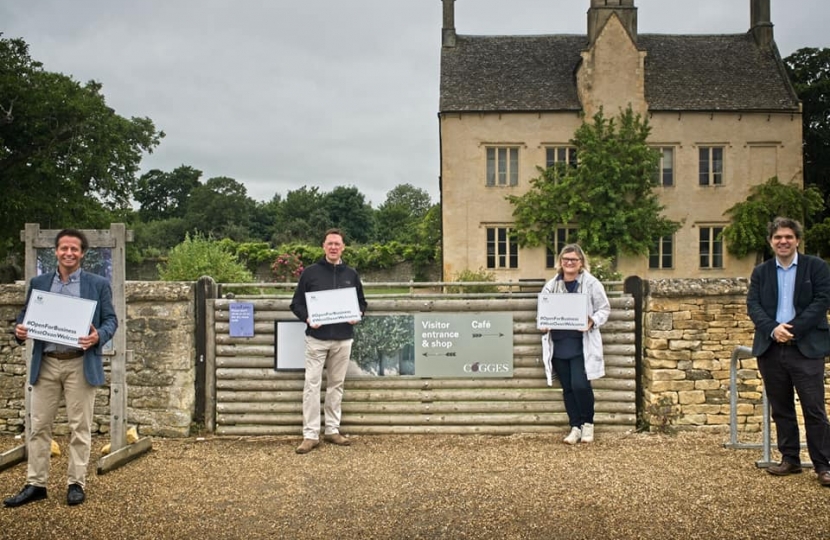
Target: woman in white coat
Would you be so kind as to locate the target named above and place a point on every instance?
(576, 355)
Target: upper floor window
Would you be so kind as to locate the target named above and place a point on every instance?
(710, 170)
(502, 166)
(660, 255)
(711, 247)
(560, 237)
(502, 248)
(664, 175)
(560, 154)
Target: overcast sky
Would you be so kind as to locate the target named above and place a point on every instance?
(279, 94)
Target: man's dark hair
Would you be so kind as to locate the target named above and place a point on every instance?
(338, 232)
(784, 223)
(76, 234)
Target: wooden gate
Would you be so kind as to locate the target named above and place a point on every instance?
(245, 395)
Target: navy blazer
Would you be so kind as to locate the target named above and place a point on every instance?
(93, 287)
(811, 301)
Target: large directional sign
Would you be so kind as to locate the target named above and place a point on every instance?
(463, 345)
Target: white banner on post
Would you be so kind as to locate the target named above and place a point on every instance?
(58, 318)
(562, 311)
(332, 306)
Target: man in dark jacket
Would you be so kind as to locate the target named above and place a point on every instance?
(788, 300)
(328, 345)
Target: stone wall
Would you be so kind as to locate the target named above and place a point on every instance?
(160, 378)
(690, 329)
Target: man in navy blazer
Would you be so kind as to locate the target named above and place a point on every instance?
(788, 299)
(71, 372)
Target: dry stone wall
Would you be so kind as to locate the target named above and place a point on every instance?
(160, 379)
(690, 329)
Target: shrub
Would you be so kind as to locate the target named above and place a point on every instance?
(287, 267)
(199, 256)
(467, 275)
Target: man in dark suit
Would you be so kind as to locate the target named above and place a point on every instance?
(788, 299)
(71, 372)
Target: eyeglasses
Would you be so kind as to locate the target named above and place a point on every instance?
(569, 260)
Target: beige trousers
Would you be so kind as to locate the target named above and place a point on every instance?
(60, 378)
(334, 355)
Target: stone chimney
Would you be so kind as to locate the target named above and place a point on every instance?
(448, 31)
(760, 24)
(601, 10)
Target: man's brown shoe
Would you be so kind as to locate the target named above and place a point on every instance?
(338, 439)
(784, 468)
(307, 446)
(824, 478)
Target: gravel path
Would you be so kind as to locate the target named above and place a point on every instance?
(624, 486)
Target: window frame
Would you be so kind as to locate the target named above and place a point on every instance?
(712, 258)
(557, 151)
(659, 177)
(659, 252)
(707, 172)
(501, 248)
(501, 165)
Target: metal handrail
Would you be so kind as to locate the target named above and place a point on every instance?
(740, 353)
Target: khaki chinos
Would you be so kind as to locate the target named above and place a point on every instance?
(60, 378)
(334, 355)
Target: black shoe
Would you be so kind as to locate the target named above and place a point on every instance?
(75, 495)
(28, 494)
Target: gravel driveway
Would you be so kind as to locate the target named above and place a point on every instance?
(624, 486)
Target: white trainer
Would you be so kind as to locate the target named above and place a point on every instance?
(587, 433)
(574, 436)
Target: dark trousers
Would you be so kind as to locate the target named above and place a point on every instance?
(576, 390)
(786, 371)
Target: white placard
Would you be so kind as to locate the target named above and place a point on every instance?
(58, 318)
(562, 311)
(332, 306)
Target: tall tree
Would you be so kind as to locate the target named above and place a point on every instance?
(609, 194)
(65, 156)
(400, 214)
(347, 209)
(163, 195)
(809, 71)
(221, 208)
(746, 232)
(301, 217)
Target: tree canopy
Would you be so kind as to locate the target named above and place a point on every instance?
(746, 232)
(609, 195)
(65, 156)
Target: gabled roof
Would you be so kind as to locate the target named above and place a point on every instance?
(682, 73)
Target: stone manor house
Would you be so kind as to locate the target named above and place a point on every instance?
(722, 110)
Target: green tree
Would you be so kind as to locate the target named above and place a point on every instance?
(163, 195)
(301, 217)
(746, 232)
(809, 71)
(609, 194)
(400, 214)
(348, 210)
(201, 256)
(221, 208)
(66, 158)
(263, 223)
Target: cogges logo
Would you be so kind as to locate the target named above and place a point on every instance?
(479, 367)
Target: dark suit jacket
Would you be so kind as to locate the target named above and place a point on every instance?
(93, 287)
(811, 300)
